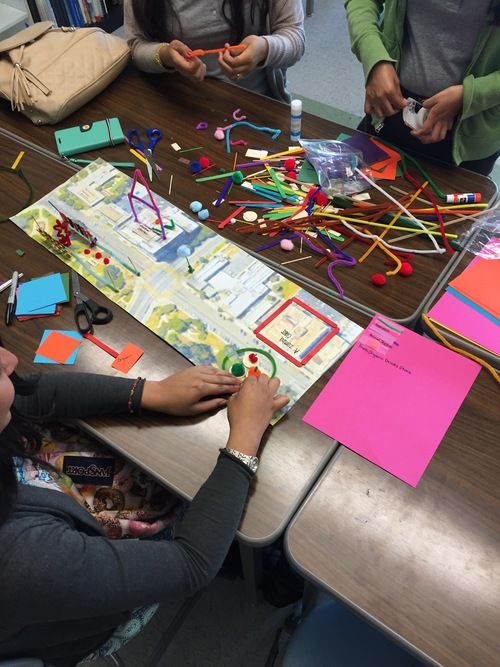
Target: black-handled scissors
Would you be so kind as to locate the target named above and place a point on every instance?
(86, 311)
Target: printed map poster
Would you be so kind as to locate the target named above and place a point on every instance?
(209, 315)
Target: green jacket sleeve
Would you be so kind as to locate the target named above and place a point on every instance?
(481, 93)
(363, 19)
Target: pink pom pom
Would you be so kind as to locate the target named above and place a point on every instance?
(286, 244)
(219, 134)
(379, 280)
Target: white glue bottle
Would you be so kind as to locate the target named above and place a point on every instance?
(295, 119)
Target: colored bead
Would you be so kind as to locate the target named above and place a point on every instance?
(196, 206)
(86, 251)
(238, 369)
(254, 372)
(98, 255)
(253, 358)
(106, 260)
(203, 214)
(379, 280)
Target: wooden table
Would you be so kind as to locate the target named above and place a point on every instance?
(179, 452)
(176, 106)
(422, 564)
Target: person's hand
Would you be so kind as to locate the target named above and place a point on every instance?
(176, 54)
(236, 64)
(190, 392)
(383, 92)
(443, 109)
(250, 411)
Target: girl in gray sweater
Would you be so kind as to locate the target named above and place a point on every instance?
(162, 33)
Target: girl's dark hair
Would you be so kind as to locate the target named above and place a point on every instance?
(20, 438)
(157, 19)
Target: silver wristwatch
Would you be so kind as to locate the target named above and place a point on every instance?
(252, 462)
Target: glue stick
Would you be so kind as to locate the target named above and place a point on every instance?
(295, 119)
(464, 198)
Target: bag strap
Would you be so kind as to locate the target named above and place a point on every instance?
(30, 34)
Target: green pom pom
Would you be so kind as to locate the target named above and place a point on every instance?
(238, 177)
(238, 369)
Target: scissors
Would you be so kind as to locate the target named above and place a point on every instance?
(154, 135)
(87, 312)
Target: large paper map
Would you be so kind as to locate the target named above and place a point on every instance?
(231, 311)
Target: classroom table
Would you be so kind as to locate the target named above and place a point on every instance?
(422, 564)
(176, 106)
(178, 452)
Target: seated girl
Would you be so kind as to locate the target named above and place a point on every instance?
(161, 35)
(69, 588)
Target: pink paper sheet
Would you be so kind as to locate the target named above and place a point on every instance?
(393, 398)
(468, 322)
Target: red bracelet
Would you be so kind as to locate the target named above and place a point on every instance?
(130, 406)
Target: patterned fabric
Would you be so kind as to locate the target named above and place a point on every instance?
(134, 506)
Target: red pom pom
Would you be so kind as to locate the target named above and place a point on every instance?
(379, 279)
(290, 164)
(204, 162)
(291, 174)
(321, 199)
(106, 260)
(87, 251)
(406, 269)
(98, 255)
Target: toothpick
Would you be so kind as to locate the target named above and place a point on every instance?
(170, 184)
(301, 242)
(299, 259)
(235, 161)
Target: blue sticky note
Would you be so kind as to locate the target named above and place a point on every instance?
(70, 360)
(473, 305)
(40, 293)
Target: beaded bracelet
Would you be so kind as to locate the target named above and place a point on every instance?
(130, 403)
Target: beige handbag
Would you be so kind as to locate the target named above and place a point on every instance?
(47, 73)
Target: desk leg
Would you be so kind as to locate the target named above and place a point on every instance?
(309, 7)
(251, 563)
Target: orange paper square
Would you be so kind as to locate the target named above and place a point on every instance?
(127, 358)
(58, 347)
(480, 283)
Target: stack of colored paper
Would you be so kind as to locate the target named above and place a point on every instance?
(470, 306)
(42, 297)
(58, 347)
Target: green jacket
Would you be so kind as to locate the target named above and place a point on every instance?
(477, 132)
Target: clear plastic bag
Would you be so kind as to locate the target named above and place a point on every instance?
(483, 236)
(335, 163)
